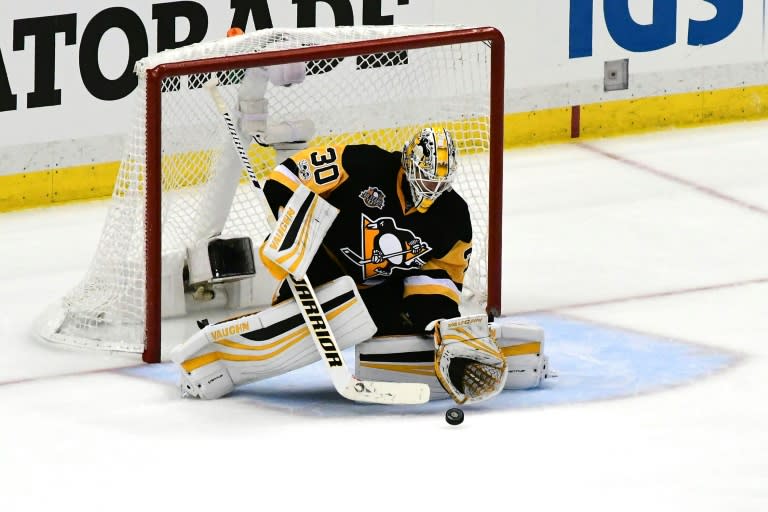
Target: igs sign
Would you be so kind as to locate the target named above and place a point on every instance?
(660, 33)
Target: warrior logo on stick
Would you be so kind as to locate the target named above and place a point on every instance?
(386, 247)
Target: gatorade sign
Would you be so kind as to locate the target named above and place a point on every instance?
(43, 43)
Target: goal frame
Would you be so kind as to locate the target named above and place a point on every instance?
(153, 192)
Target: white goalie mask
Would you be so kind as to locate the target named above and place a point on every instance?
(429, 161)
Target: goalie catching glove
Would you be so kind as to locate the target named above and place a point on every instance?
(468, 362)
(298, 233)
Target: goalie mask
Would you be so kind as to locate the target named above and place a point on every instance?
(429, 161)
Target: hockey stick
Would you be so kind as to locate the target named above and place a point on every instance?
(358, 260)
(343, 380)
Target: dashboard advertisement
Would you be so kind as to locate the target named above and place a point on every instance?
(66, 69)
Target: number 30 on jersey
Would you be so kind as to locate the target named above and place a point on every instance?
(320, 167)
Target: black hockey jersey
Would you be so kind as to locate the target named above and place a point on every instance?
(377, 236)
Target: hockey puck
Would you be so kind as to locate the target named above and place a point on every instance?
(454, 416)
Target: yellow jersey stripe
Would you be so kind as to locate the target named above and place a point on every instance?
(283, 180)
(431, 289)
(454, 263)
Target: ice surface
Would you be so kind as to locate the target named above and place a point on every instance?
(646, 260)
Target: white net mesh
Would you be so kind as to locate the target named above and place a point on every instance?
(377, 99)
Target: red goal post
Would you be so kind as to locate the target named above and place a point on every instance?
(159, 155)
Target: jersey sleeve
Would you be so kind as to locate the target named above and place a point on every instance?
(319, 168)
(435, 290)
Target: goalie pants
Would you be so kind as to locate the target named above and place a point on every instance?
(384, 301)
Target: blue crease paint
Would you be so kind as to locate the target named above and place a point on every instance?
(593, 362)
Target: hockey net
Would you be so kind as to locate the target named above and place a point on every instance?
(374, 85)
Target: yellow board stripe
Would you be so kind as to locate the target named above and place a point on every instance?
(51, 186)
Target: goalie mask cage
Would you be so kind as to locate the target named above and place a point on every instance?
(374, 85)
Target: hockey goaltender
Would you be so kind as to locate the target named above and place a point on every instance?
(387, 242)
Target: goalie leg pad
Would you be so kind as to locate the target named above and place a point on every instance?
(523, 349)
(254, 347)
(412, 358)
(400, 358)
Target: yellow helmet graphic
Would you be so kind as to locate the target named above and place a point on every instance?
(429, 161)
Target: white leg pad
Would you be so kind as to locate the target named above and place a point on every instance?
(211, 381)
(254, 347)
(523, 347)
(405, 358)
(411, 358)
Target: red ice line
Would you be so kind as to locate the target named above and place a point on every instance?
(671, 177)
(645, 296)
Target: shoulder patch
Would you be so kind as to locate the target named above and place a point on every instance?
(373, 197)
(304, 174)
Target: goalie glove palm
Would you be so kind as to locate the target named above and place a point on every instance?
(468, 363)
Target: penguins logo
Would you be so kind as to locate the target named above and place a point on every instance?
(372, 197)
(304, 173)
(386, 247)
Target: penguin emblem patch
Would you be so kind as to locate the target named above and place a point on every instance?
(386, 247)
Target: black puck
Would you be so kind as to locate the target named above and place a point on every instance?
(454, 416)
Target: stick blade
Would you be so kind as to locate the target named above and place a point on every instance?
(408, 393)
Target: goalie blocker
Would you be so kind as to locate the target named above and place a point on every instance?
(413, 359)
(297, 234)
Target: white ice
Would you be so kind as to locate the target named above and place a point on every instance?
(664, 234)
